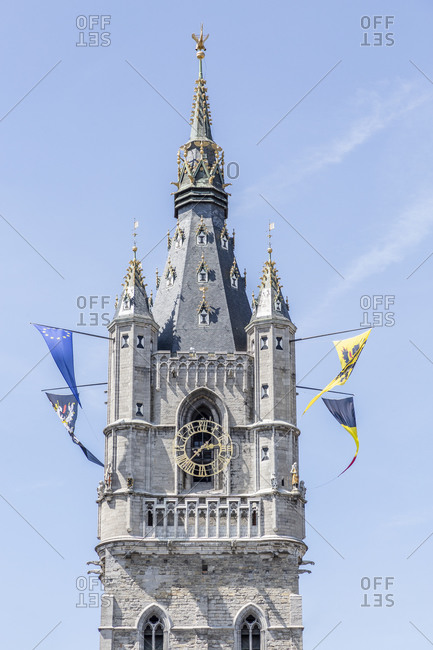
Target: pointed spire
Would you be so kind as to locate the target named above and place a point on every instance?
(270, 302)
(134, 300)
(200, 115)
(200, 161)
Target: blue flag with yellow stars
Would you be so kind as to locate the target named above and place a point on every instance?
(343, 411)
(60, 345)
(66, 408)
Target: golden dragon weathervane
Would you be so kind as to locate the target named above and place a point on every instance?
(200, 40)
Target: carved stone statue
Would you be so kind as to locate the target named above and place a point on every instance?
(100, 489)
(108, 475)
(295, 476)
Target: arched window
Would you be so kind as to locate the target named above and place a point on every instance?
(250, 629)
(154, 634)
(250, 634)
(201, 443)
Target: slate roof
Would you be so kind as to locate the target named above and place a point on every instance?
(177, 300)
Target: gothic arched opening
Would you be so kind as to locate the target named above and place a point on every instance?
(201, 448)
(250, 629)
(250, 634)
(154, 634)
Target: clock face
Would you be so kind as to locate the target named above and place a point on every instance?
(202, 448)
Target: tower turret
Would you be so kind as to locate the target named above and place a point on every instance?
(270, 331)
(134, 337)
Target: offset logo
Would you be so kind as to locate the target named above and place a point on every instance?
(93, 31)
(377, 591)
(376, 31)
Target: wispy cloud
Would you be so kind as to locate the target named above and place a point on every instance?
(411, 227)
(381, 112)
(376, 111)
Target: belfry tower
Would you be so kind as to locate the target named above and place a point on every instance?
(201, 514)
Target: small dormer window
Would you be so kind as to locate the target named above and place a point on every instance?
(178, 237)
(170, 275)
(203, 317)
(201, 233)
(234, 275)
(278, 305)
(202, 270)
(224, 238)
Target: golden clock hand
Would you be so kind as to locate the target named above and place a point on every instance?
(199, 450)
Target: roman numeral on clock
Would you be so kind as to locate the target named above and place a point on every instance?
(186, 464)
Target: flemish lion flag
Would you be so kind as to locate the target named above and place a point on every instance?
(348, 352)
(343, 411)
(66, 408)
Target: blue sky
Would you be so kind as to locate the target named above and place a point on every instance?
(346, 176)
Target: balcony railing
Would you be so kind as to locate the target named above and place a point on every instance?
(210, 518)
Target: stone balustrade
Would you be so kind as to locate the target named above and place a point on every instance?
(203, 369)
(198, 517)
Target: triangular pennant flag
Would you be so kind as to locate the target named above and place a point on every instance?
(59, 342)
(66, 408)
(343, 411)
(348, 352)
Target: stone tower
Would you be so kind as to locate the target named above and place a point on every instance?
(201, 514)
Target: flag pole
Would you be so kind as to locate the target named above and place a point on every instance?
(98, 336)
(102, 383)
(318, 336)
(339, 392)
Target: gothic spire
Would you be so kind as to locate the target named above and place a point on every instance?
(134, 300)
(201, 300)
(200, 161)
(270, 302)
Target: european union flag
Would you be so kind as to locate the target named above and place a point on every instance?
(60, 345)
(343, 411)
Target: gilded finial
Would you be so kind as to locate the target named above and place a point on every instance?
(134, 235)
(200, 40)
(271, 227)
(200, 49)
